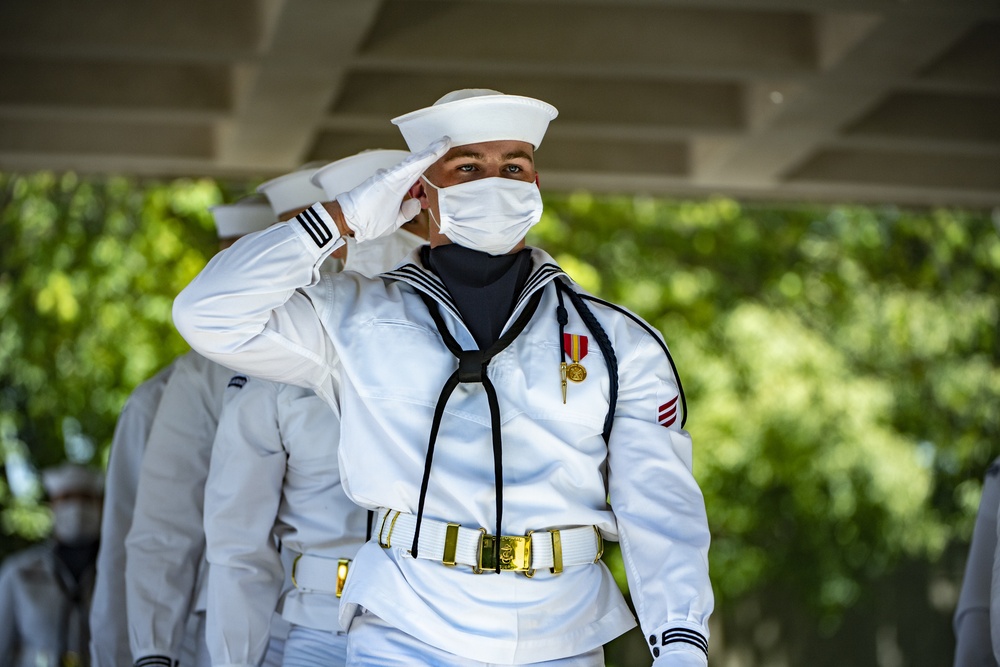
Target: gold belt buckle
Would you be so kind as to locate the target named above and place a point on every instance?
(342, 567)
(515, 552)
(388, 538)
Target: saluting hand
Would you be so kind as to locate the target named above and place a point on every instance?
(376, 207)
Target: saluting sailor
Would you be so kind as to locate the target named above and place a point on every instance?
(45, 591)
(491, 484)
(274, 470)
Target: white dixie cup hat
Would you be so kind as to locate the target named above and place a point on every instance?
(475, 115)
(292, 191)
(250, 214)
(349, 172)
(72, 478)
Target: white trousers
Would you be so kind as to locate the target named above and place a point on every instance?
(194, 649)
(275, 652)
(306, 647)
(372, 642)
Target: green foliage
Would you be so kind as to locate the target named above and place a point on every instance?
(841, 370)
(88, 272)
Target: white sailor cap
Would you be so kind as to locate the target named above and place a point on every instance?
(250, 214)
(292, 191)
(348, 173)
(474, 115)
(72, 478)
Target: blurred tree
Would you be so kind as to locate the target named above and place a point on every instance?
(88, 272)
(842, 369)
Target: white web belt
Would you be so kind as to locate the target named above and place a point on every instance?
(452, 544)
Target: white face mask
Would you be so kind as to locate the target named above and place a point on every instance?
(76, 521)
(490, 214)
(379, 255)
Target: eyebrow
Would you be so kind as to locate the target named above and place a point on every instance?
(464, 154)
(513, 155)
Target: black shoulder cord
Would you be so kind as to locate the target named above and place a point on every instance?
(651, 332)
(472, 366)
(607, 351)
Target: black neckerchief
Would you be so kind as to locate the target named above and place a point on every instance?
(483, 286)
(77, 557)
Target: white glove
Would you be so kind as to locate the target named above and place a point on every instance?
(376, 207)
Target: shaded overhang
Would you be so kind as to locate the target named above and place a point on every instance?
(836, 100)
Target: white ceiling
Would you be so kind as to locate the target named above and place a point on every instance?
(849, 100)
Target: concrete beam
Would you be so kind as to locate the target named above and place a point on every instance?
(283, 98)
(820, 112)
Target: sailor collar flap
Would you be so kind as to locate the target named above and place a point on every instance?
(412, 272)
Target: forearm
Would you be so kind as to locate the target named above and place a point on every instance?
(110, 646)
(165, 546)
(664, 538)
(246, 309)
(164, 551)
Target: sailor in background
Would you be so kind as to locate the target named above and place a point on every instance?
(490, 409)
(274, 472)
(45, 591)
(164, 548)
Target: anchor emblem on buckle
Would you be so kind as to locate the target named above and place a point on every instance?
(506, 556)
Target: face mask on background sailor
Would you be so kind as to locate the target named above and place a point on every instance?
(483, 196)
(76, 519)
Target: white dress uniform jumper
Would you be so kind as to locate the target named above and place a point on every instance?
(43, 610)
(274, 472)
(499, 487)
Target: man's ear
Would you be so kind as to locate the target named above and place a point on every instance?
(418, 192)
(538, 182)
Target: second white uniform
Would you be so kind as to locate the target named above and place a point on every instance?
(274, 472)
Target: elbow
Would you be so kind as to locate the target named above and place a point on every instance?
(195, 320)
(183, 315)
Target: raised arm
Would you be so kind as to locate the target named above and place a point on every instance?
(250, 309)
(257, 307)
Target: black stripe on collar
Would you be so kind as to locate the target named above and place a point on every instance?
(425, 281)
(421, 278)
(539, 277)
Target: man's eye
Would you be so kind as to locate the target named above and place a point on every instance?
(514, 169)
(468, 168)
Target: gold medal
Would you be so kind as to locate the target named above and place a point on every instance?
(575, 346)
(576, 373)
